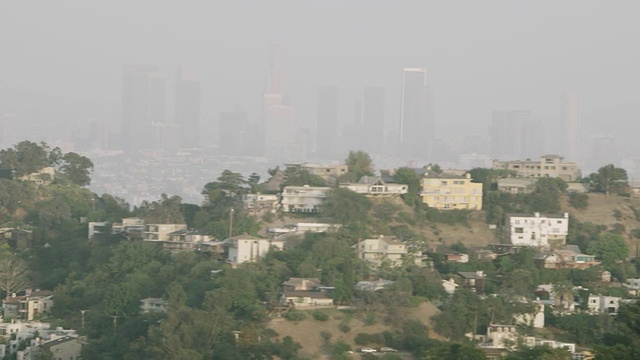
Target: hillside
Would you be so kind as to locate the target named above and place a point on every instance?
(308, 332)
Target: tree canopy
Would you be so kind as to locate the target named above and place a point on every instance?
(360, 164)
(609, 179)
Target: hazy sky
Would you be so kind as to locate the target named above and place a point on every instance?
(480, 55)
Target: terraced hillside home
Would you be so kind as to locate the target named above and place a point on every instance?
(552, 166)
(538, 230)
(450, 192)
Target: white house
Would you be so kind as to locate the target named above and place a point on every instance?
(303, 198)
(535, 318)
(449, 286)
(383, 248)
(151, 305)
(375, 186)
(161, 232)
(538, 230)
(258, 204)
(246, 248)
(600, 304)
(633, 285)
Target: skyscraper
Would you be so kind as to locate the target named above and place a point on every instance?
(373, 119)
(572, 114)
(233, 133)
(188, 108)
(327, 126)
(507, 134)
(143, 102)
(278, 119)
(417, 122)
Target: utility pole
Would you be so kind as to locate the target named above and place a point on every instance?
(115, 324)
(82, 312)
(231, 222)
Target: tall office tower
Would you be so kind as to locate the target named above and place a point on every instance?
(163, 137)
(417, 120)
(532, 139)
(506, 134)
(143, 103)
(572, 114)
(99, 135)
(188, 108)
(278, 119)
(233, 133)
(373, 115)
(327, 126)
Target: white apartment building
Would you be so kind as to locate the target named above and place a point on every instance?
(303, 198)
(600, 304)
(538, 230)
(160, 232)
(548, 166)
(246, 248)
(381, 249)
(324, 171)
(258, 204)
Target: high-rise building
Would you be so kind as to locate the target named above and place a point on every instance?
(143, 103)
(373, 115)
(188, 108)
(233, 133)
(417, 120)
(572, 114)
(532, 139)
(605, 152)
(278, 118)
(507, 134)
(99, 135)
(327, 126)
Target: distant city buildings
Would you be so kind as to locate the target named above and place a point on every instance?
(417, 119)
(572, 106)
(188, 108)
(327, 122)
(373, 117)
(515, 135)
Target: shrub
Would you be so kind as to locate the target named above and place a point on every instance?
(578, 200)
(344, 328)
(320, 316)
(295, 315)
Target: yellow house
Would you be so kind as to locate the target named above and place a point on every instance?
(447, 191)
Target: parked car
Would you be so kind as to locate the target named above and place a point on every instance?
(387, 349)
(368, 350)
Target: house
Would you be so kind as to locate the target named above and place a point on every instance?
(260, 204)
(97, 228)
(132, 228)
(306, 299)
(301, 284)
(449, 192)
(29, 306)
(306, 199)
(375, 186)
(456, 257)
(542, 231)
(16, 238)
(601, 304)
(301, 228)
(547, 166)
(473, 280)
(373, 285)
(568, 258)
(633, 285)
(562, 301)
(303, 292)
(449, 286)
(153, 305)
(65, 348)
(500, 336)
(327, 172)
(246, 248)
(534, 319)
(383, 249)
(186, 240)
(160, 232)
(516, 185)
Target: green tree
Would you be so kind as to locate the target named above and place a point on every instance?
(609, 179)
(77, 168)
(27, 157)
(360, 164)
(294, 176)
(609, 248)
(348, 208)
(578, 200)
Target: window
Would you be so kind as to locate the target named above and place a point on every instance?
(443, 183)
(518, 230)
